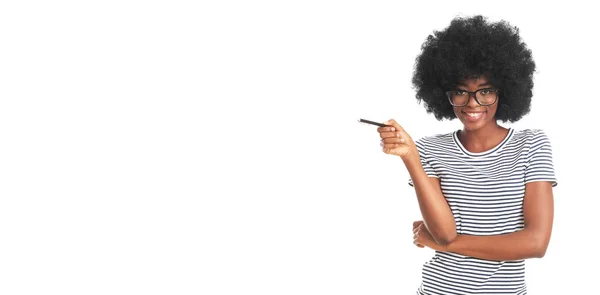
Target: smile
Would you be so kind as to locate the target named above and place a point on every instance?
(473, 116)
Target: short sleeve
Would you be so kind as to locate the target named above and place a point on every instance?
(425, 160)
(540, 164)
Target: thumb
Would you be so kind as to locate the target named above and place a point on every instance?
(393, 123)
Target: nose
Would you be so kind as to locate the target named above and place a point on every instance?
(472, 101)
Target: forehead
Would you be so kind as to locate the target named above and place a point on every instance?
(474, 82)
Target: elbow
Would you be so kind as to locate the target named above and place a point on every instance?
(442, 235)
(539, 250)
(445, 238)
(539, 245)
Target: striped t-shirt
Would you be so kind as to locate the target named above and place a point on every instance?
(485, 193)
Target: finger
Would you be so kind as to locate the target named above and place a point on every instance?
(417, 223)
(396, 140)
(393, 140)
(399, 129)
(389, 134)
(393, 123)
(386, 129)
(390, 146)
(418, 244)
(419, 228)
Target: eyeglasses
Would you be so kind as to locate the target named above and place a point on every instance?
(484, 97)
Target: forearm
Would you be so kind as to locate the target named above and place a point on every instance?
(435, 211)
(519, 245)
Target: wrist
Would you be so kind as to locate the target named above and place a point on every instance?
(411, 157)
(444, 248)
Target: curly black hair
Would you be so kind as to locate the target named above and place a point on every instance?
(469, 48)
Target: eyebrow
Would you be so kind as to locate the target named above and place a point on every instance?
(480, 85)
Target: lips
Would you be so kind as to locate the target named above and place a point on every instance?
(473, 116)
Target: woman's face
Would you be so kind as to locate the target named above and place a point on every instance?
(473, 115)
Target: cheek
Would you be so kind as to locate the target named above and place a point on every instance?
(492, 110)
(456, 111)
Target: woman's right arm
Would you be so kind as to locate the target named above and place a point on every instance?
(435, 211)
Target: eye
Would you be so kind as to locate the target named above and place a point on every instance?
(485, 92)
(460, 92)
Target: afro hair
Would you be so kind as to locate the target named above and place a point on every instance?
(469, 48)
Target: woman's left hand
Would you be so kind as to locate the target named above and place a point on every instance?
(422, 237)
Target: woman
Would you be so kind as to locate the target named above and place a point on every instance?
(485, 191)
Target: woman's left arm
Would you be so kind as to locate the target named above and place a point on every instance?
(531, 242)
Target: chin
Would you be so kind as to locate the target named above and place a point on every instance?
(470, 126)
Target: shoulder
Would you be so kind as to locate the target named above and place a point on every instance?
(530, 142)
(531, 136)
(529, 132)
(435, 142)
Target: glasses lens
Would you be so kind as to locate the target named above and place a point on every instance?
(486, 96)
(458, 97)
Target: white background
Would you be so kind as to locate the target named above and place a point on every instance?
(171, 147)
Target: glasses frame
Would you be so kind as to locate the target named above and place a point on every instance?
(474, 94)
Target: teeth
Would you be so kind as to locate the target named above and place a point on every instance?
(474, 114)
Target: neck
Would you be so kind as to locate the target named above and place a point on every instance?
(483, 138)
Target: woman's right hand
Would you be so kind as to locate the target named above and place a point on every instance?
(395, 141)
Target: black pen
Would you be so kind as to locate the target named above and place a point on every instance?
(372, 123)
